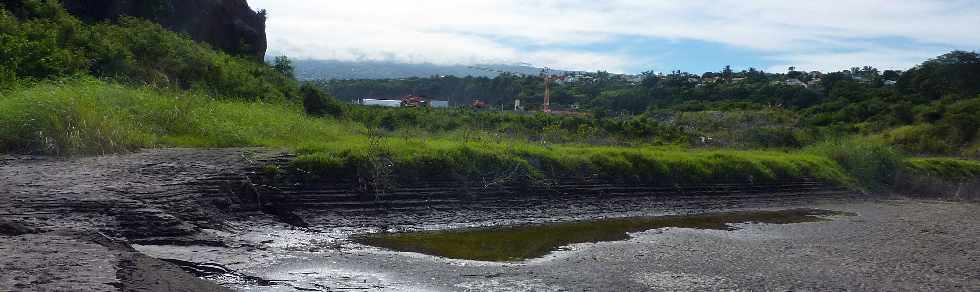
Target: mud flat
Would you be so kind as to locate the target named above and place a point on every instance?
(204, 220)
(889, 245)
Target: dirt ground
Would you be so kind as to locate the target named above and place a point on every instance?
(138, 222)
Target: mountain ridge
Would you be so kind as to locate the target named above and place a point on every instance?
(310, 69)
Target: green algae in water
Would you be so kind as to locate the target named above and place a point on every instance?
(515, 243)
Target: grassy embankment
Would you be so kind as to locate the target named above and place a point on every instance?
(87, 116)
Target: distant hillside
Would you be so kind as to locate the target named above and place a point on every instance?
(329, 70)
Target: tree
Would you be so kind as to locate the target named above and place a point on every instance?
(650, 80)
(956, 73)
(283, 65)
(727, 73)
(892, 75)
(831, 79)
(792, 73)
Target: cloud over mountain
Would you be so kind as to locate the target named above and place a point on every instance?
(591, 35)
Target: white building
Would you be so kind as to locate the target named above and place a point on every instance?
(381, 102)
(439, 103)
(794, 82)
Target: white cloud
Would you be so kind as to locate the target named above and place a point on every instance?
(884, 59)
(544, 32)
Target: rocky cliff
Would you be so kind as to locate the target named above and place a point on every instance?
(228, 25)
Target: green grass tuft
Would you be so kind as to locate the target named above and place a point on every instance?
(951, 169)
(872, 164)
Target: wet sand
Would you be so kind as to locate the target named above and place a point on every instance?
(893, 245)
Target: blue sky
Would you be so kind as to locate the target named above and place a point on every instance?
(626, 36)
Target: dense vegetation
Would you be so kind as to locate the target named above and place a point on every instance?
(933, 108)
(74, 88)
(39, 40)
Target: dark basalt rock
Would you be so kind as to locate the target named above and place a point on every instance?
(12, 228)
(228, 25)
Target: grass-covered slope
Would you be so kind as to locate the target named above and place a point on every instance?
(88, 116)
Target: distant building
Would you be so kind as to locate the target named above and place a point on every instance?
(439, 103)
(861, 79)
(891, 82)
(634, 79)
(381, 102)
(814, 83)
(794, 82)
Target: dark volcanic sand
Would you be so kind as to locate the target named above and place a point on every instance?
(897, 245)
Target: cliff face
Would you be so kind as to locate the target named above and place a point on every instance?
(228, 25)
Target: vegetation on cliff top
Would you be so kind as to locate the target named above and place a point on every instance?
(44, 42)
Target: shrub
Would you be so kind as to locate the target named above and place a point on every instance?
(963, 119)
(922, 139)
(318, 103)
(972, 151)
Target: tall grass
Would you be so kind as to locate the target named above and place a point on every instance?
(873, 164)
(88, 116)
(445, 158)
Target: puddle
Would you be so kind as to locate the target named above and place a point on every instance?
(516, 243)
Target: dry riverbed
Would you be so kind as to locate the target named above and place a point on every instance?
(135, 223)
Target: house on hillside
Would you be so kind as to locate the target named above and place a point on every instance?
(794, 82)
(634, 79)
(813, 83)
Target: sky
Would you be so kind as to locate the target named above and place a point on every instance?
(626, 36)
